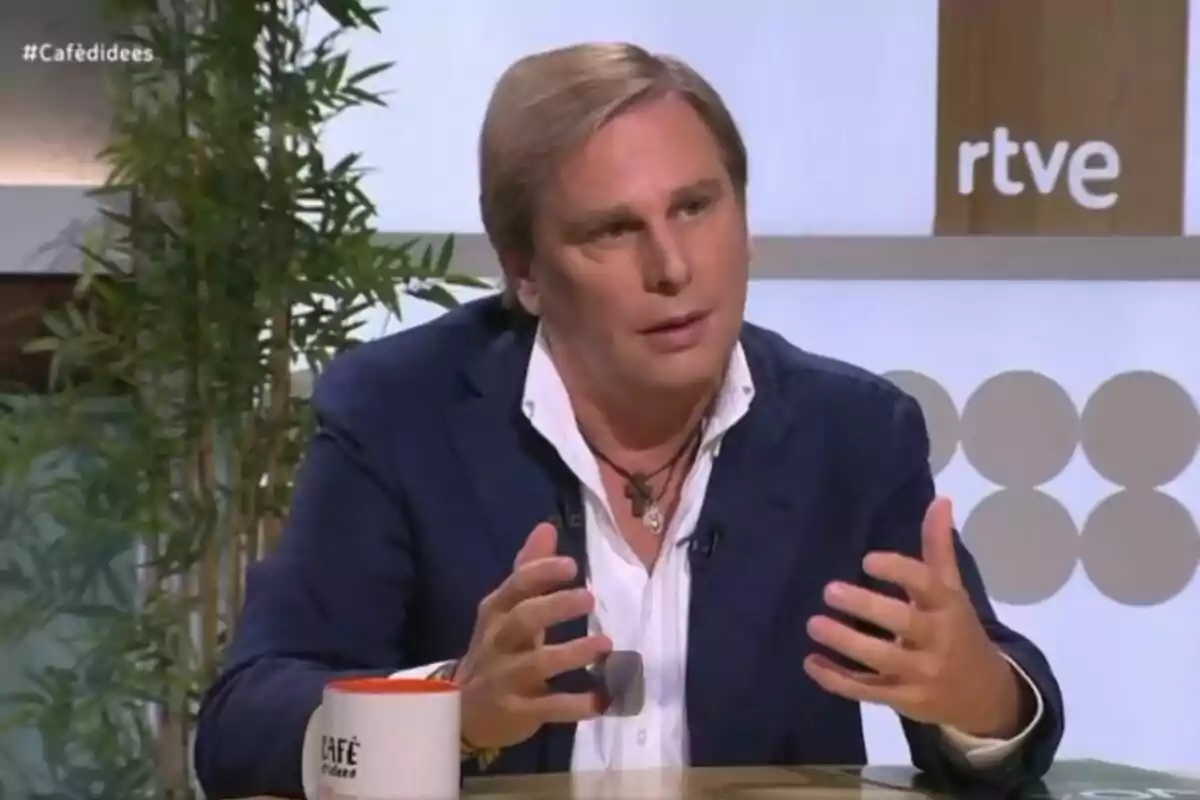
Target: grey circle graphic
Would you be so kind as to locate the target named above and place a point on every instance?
(1019, 429)
(1025, 543)
(1140, 547)
(1140, 429)
(941, 415)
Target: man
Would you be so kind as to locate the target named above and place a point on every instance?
(757, 522)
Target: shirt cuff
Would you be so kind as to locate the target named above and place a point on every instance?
(310, 768)
(982, 753)
(423, 671)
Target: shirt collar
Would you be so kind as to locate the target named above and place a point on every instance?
(546, 404)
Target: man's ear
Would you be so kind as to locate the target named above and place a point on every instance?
(529, 298)
(749, 241)
(520, 283)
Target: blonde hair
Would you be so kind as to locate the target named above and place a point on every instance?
(546, 105)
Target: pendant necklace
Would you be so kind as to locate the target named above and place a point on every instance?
(643, 500)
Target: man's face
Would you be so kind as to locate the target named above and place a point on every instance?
(641, 253)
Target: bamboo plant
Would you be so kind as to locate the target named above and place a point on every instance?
(136, 491)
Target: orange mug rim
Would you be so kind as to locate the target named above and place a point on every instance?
(392, 686)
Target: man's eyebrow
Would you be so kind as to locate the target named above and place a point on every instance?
(601, 217)
(702, 186)
(623, 212)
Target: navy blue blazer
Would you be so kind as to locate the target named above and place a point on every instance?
(424, 480)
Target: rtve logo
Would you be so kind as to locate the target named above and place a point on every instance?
(1090, 167)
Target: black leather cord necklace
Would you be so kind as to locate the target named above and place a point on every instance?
(643, 500)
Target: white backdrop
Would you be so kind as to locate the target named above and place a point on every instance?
(832, 167)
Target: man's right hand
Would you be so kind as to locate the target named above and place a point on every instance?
(505, 697)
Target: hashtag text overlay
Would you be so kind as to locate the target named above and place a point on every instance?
(77, 53)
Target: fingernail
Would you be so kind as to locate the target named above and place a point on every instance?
(835, 591)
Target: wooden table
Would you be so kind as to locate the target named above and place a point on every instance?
(1067, 779)
(712, 783)
(717, 783)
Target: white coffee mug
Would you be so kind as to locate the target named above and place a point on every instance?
(385, 739)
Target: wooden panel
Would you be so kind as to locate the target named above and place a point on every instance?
(1072, 71)
(23, 300)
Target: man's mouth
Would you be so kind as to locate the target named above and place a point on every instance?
(678, 322)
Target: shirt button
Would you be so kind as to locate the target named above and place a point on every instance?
(642, 736)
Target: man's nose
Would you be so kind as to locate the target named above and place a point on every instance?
(667, 268)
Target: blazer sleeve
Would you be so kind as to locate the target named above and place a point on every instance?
(329, 602)
(896, 526)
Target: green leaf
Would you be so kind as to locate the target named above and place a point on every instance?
(13, 579)
(446, 256)
(364, 75)
(469, 281)
(438, 295)
(353, 94)
(23, 699)
(349, 13)
(44, 344)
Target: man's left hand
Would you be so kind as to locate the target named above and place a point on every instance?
(941, 668)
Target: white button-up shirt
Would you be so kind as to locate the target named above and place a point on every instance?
(645, 611)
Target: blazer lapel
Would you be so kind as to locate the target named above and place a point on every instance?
(761, 498)
(519, 481)
(503, 458)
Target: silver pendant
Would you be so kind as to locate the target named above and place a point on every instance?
(653, 518)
